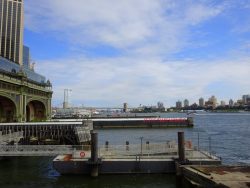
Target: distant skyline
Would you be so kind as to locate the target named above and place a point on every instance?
(140, 51)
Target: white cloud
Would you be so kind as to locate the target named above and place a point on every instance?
(138, 26)
(146, 31)
(114, 81)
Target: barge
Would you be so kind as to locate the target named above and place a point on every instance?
(142, 123)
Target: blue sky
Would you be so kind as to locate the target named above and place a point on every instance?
(140, 51)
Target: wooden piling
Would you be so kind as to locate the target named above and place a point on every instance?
(94, 154)
(181, 147)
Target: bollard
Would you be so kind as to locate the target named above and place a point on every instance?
(181, 146)
(127, 145)
(107, 145)
(94, 154)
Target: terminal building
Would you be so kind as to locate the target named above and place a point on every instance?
(24, 94)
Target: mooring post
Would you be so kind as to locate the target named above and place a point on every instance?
(107, 145)
(181, 146)
(94, 154)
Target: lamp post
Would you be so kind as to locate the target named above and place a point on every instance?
(141, 144)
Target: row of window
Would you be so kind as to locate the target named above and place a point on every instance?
(13, 87)
(36, 92)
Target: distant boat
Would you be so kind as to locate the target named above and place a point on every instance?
(195, 112)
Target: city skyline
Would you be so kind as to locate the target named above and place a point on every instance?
(108, 52)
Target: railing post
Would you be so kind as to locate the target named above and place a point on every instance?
(127, 145)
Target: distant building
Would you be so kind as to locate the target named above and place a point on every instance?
(223, 103)
(160, 105)
(186, 103)
(178, 104)
(231, 102)
(26, 57)
(11, 30)
(213, 101)
(125, 107)
(245, 99)
(201, 102)
(239, 102)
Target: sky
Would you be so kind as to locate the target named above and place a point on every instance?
(108, 52)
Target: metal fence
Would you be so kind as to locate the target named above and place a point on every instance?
(167, 150)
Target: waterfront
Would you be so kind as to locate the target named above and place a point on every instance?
(229, 139)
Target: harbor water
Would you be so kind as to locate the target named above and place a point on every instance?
(223, 134)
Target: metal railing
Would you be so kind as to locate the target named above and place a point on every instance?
(144, 151)
(35, 150)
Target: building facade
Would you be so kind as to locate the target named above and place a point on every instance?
(11, 30)
(24, 94)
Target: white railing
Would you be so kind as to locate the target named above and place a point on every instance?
(35, 150)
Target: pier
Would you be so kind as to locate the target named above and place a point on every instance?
(142, 122)
(46, 133)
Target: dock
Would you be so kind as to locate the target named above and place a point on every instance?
(217, 176)
(128, 159)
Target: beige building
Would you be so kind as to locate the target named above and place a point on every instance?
(11, 30)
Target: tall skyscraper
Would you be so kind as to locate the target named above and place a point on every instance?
(186, 103)
(26, 57)
(201, 102)
(178, 104)
(11, 30)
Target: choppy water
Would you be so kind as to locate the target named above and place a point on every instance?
(230, 139)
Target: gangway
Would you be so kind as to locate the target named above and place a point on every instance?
(82, 134)
(10, 137)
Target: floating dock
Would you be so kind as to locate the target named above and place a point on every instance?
(127, 159)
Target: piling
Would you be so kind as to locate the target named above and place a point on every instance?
(181, 147)
(94, 154)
